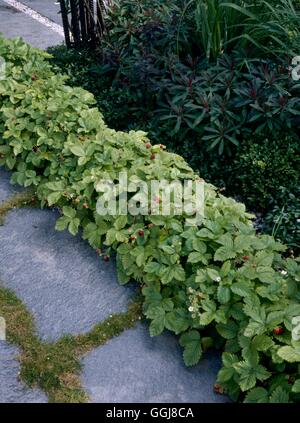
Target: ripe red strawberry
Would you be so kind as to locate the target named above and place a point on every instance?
(141, 232)
(152, 157)
(106, 258)
(85, 205)
(218, 389)
(246, 258)
(148, 145)
(278, 331)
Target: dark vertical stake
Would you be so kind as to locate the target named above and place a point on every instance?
(64, 15)
(92, 22)
(83, 23)
(75, 23)
(100, 20)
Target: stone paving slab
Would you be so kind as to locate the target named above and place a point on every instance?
(6, 188)
(48, 8)
(63, 282)
(137, 368)
(14, 23)
(12, 390)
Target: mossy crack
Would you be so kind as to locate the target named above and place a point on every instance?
(20, 199)
(55, 367)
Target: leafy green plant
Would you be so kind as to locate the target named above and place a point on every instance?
(269, 163)
(259, 26)
(216, 283)
(283, 219)
(216, 23)
(224, 104)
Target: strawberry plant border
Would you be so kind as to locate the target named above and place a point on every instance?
(218, 283)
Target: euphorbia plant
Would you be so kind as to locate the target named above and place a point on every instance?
(215, 283)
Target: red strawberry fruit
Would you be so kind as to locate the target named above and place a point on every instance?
(278, 331)
(218, 389)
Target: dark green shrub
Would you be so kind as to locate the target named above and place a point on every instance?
(283, 219)
(261, 167)
(222, 105)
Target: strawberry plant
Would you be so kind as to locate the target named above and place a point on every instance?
(218, 283)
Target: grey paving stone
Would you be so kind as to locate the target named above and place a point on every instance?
(6, 188)
(137, 368)
(12, 390)
(63, 282)
(14, 23)
(48, 8)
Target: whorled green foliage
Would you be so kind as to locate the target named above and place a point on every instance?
(218, 283)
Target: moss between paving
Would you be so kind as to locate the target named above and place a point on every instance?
(20, 199)
(55, 367)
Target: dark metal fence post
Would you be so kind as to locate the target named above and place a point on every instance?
(82, 15)
(75, 22)
(83, 22)
(100, 21)
(65, 21)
